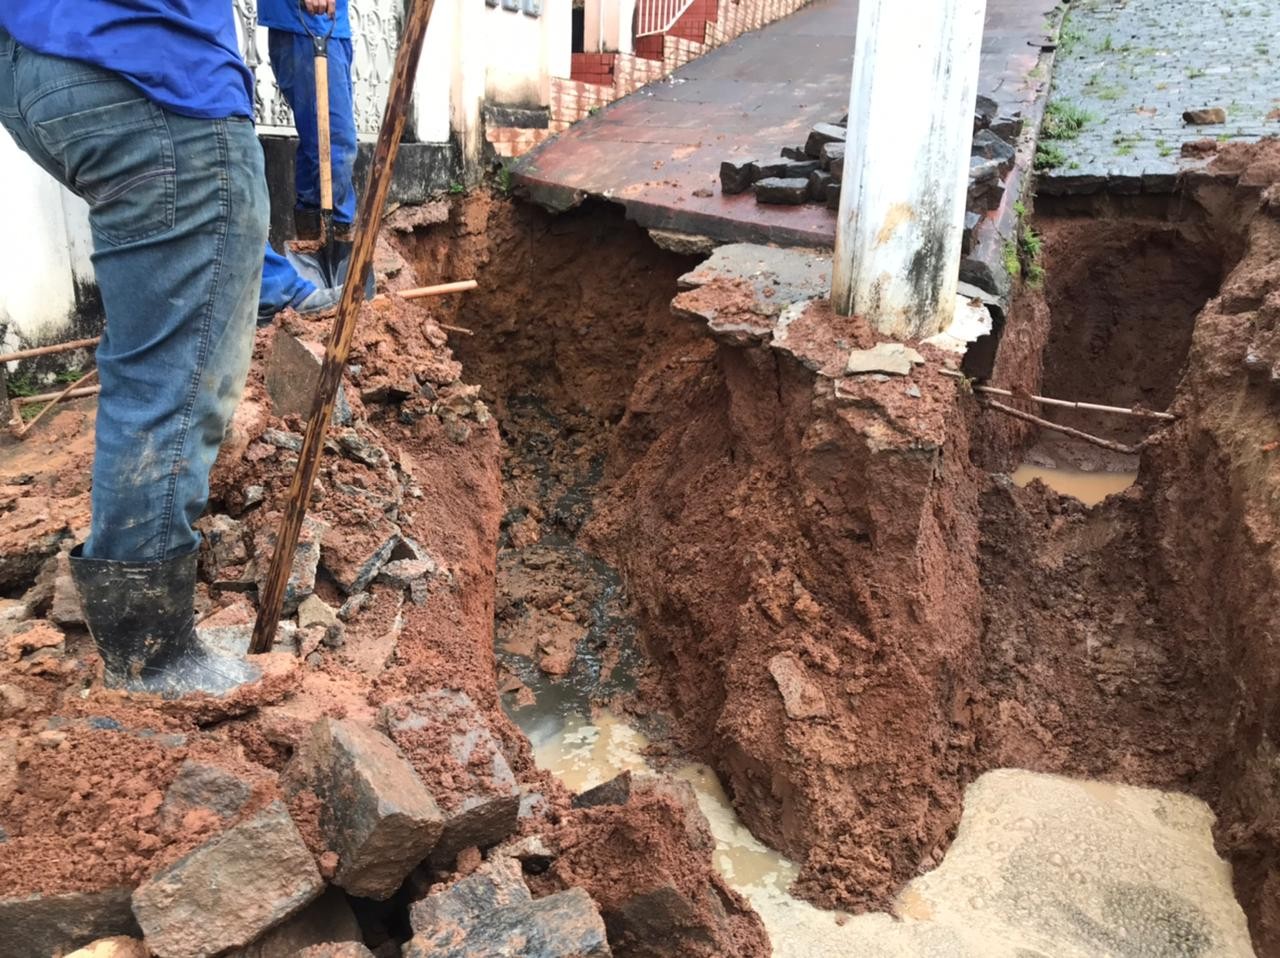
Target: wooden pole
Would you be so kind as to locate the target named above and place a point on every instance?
(422, 292)
(61, 396)
(46, 350)
(271, 601)
(1065, 403)
(906, 164)
(1065, 430)
(22, 430)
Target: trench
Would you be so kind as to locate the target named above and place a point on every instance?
(591, 376)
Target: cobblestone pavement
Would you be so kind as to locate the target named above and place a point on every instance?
(1130, 68)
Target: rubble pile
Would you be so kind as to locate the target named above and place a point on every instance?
(352, 803)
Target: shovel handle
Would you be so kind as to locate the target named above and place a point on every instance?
(322, 129)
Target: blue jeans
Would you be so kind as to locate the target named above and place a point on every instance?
(178, 211)
(293, 61)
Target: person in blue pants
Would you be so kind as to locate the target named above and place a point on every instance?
(144, 109)
(292, 58)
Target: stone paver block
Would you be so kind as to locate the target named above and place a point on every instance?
(378, 816)
(788, 169)
(991, 147)
(498, 883)
(832, 158)
(563, 925)
(737, 177)
(787, 192)
(484, 806)
(48, 924)
(230, 890)
(820, 134)
(819, 180)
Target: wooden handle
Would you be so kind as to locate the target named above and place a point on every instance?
(22, 430)
(271, 598)
(422, 292)
(322, 127)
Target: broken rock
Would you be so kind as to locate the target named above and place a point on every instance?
(498, 883)
(616, 791)
(408, 575)
(894, 358)
(231, 889)
(482, 806)
(1206, 116)
(119, 946)
(328, 920)
(306, 560)
(65, 609)
(564, 925)
(199, 786)
(293, 372)
(354, 573)
(340, 949)
(377, 815)
(49, 924)
(313, 610)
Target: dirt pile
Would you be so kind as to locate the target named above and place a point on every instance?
(392, 594)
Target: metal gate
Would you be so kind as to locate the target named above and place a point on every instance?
(375, 29)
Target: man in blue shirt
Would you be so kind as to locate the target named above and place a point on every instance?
(143, 108)
(292, 58)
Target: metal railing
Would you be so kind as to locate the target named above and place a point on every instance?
(658, 16)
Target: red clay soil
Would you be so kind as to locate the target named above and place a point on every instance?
(83, 771)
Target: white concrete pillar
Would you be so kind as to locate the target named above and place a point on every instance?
(906, 167)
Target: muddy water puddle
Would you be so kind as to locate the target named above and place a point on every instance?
(1089, 487)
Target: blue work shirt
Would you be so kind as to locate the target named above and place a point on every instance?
(181, 54)
(288, 15)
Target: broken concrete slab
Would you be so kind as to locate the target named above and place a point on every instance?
(293, 372)
(410, 576)
(483, 806)
(564, 925)
(893, 358)
(616, 791)
(49, 924)
(823, 133)
(229, 890)
(777, 275)
(306, 561)
(377, 814)
(498, 883)
(792, 191)
(802, 696)
(327, 920)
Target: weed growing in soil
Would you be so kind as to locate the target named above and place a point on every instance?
(1049, 156)
(1063, 120)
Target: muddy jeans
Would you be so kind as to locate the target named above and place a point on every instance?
(178, 210)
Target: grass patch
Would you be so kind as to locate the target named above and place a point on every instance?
(1063, 120)
(1049, 156)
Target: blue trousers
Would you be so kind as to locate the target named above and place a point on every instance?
(178, 210)
(293, 61)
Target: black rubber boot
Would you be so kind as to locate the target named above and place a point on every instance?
(141, 616)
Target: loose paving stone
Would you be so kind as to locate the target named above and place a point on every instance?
(39, 925)
(788, 192)
(377, 814)
(833, 196)
(484, 806)
(788, 169)
(499, 883)
(820, 134)
(985, 111)
(737, 177)
(293, 372)
(991, 147)
(230, 890)
(818, 182)
(328, 920)
(832, 158)
(894, 358)
(794, 153)
(564, 925)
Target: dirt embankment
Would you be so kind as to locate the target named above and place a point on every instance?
(850, 618)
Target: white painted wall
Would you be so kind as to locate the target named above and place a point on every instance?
(522, 53)
(607, 26)
(42, 253)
